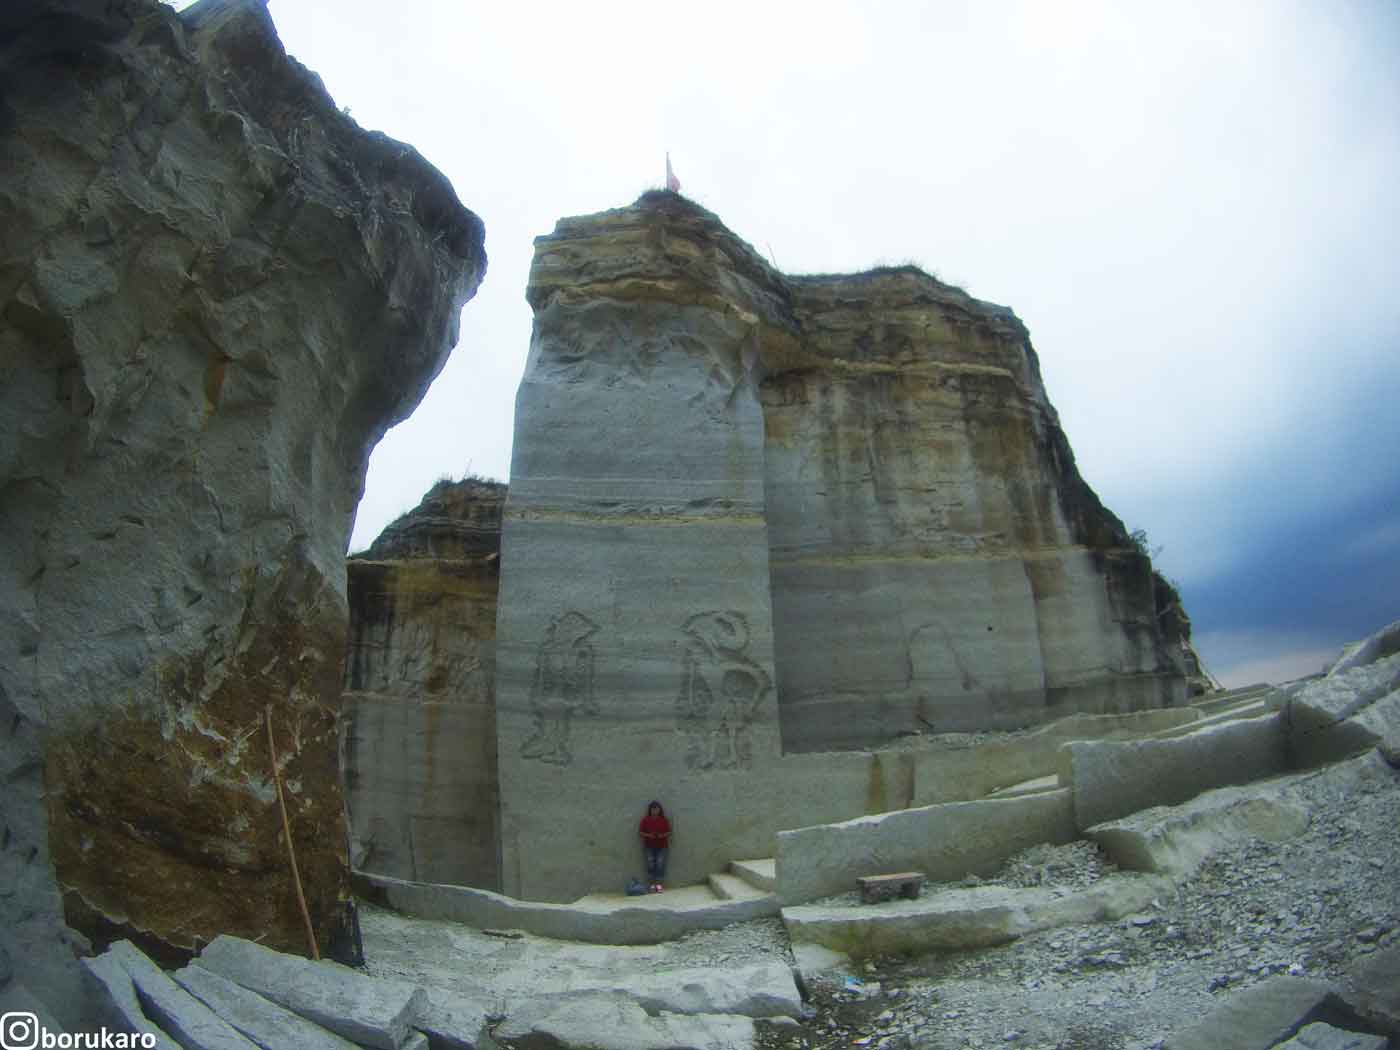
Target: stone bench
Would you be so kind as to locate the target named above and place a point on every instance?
(876, 888)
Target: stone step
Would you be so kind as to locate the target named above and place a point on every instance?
(733, 888)
(966, 917)
(761, 874)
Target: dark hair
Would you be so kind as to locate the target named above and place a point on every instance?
(659, 808)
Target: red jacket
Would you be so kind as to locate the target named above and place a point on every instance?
(656, 831)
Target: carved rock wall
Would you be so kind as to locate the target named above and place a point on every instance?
(420, 723)
(216, 294)
(752, 515)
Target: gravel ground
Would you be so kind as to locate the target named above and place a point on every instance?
(1312, 906)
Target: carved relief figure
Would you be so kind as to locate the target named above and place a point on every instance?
(721, 690)
(563, 685)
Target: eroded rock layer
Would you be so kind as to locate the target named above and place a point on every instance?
(420, 725)
(752, 515)
(216, 294)
(937, 561)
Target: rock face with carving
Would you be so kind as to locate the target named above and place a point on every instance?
(754, 515)
(216, 294)
(420, 717)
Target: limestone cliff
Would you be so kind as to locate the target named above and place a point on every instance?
(216, 294)
(420, 727)
(753, 514)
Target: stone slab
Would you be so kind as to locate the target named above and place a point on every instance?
(965, 774)
(614, 920)
(947, 842)
(15, 997)
(374, 1012)
(1112, 779)
(1321, 1036)
(756, 990)
(453, 1021)
(188, 1020)
(618, 1023)
(1374, 989)
(118, 1007)
(1174, 840)
(1258, 1017)
(261, 1020)
(976, 917)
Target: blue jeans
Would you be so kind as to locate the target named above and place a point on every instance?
(656, 863)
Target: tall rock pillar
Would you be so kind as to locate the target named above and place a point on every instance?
(635, 640)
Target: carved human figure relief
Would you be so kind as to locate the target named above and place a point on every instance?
(721, 690)
(563, 686)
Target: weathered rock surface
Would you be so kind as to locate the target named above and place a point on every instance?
(216, 294)
(420, 736)
(843, 509)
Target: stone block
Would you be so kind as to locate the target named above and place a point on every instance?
(1174, 840)
(959, 919)
(969, 773)
(1321, 1036)
(1345, 713)
(1258, 1017)
(1373, 989)
(618, 1023)
(15, 997)
(946, 842)
(452, 1021)
(260, 1019)
(1112, 779)
(371, 1011)
(1383, 643)
(117, 1006)
(187, 1019)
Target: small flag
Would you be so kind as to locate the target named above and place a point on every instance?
(672, 183)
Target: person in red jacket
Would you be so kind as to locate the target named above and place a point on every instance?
(656, 839)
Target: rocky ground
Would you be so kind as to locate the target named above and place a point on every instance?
(1312, 905)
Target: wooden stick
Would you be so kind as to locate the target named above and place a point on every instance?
(287, 832)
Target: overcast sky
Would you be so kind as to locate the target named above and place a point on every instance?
(1193, 207)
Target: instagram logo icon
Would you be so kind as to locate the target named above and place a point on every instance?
(19, 1031)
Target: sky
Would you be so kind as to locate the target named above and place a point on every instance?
(1192, 206)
